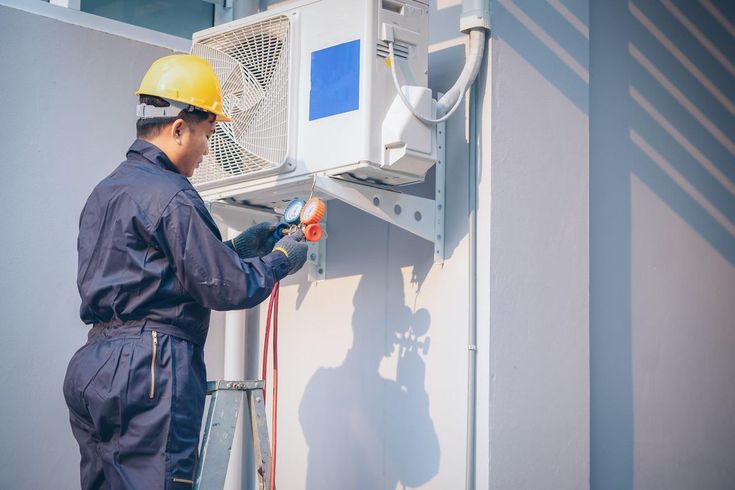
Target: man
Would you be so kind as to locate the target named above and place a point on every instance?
(151, 267)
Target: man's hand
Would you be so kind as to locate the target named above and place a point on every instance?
(294, 249)
(256, 241)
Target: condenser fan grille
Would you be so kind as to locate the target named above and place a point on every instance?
(252, 64)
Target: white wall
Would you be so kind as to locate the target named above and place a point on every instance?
(68, 116)
(662, 244)
(338, 363)
(538, 311)
(356, 411)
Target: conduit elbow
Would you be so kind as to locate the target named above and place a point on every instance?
(468, 75)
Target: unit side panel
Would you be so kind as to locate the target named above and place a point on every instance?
(411, 55)
(328, 31)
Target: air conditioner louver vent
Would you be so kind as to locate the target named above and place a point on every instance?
(399, 49)
(252, 64)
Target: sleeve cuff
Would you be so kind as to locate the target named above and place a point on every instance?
(278, 263)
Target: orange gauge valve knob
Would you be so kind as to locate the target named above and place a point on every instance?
(313, 232)
(313, 211)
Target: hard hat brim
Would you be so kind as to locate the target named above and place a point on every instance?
(219, 116)
(187, 79)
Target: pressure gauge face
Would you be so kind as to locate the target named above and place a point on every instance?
(313, 211)
(293, 211)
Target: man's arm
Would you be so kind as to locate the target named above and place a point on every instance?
(211, 272)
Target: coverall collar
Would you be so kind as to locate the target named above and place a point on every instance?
(153, 154)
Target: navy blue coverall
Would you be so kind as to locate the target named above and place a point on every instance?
(151, 267)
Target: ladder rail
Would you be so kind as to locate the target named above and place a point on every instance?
(219, 432)
(261, 439)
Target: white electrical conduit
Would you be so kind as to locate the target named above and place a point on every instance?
(453, 98)
(445, 108)
(472, 306)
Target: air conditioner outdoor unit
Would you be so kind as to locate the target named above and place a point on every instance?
(308, 86)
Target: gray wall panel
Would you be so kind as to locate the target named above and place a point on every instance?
(662, 216)
(68, 118)
(538, 312)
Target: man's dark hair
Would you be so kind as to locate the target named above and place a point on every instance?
(148, 128)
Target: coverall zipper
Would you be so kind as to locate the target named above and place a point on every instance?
(154, 335)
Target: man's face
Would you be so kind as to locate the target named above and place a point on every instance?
(194, 145)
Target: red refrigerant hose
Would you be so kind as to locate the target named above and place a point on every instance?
(272, 314)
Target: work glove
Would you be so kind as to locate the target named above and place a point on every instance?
(293, 247)
(256, 241)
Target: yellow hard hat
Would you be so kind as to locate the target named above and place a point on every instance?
(187, 79)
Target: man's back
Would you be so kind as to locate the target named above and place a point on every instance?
(124, 275)
(149, 251)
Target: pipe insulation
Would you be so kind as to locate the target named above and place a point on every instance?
(448, 103)
(452, 99)
(475, 20)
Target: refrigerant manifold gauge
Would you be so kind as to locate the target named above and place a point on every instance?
(303, 215)
(292, 214)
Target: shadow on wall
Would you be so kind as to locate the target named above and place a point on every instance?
(662, 97)
(552, 37)
(681, 95)
(660, 90)
(365, 431)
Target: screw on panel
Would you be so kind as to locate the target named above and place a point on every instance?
(417, 216)
(376, 201)
(397, 209)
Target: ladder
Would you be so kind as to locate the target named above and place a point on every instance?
(219, 432)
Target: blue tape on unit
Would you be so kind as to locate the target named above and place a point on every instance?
(335, 80)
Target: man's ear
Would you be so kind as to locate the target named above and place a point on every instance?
(177, 129)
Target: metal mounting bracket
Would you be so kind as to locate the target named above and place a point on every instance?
(316, 258)
(418, 215)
